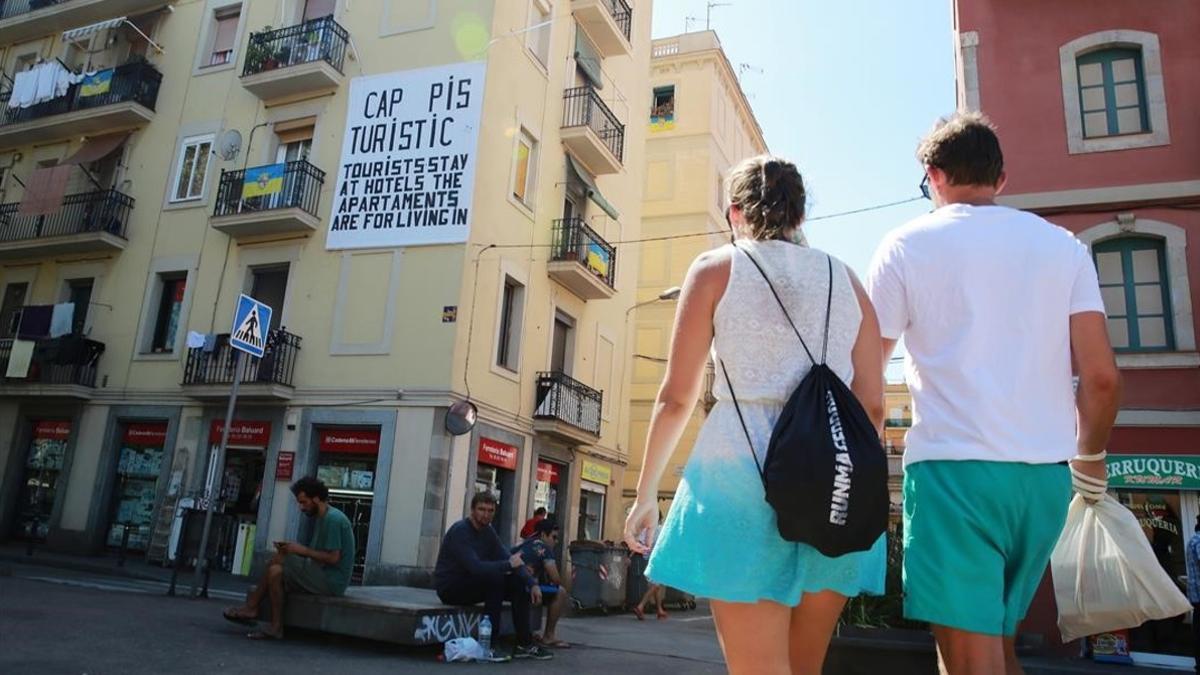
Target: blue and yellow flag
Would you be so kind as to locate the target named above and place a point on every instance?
(662, 122)
(597, 259)
(96, 83)
(263, 180)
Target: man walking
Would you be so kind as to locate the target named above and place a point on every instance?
(322, 567)
(473, 567)
(995, 306)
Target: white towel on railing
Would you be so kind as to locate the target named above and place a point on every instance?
(24, 89)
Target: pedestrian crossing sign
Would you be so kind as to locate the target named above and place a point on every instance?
(250, 324)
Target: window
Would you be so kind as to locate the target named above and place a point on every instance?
(192, 170)
(224, 35)
(562, 346)
(538, 38)
(269, 285)
(524, 167)
(79, 293)
(664, 102)
(511, 308)
(1112, 93)
(172, 287)
(14, 300)
(1133, 282)
(318, 9)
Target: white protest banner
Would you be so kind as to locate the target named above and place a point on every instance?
(407, 174)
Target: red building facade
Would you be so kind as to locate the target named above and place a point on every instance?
(1097, 105)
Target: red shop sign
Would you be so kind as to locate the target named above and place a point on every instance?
(349, 441)
(547, 473)
(243, 433)
(284, 465)
(53, 430)
(498, 454)
(153, 435)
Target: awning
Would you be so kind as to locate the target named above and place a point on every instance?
(588, 59)
(44, 191)
(97, 148)
(84, 32)
(593, 193)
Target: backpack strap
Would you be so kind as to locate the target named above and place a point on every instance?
(745, 429)
(828, 305)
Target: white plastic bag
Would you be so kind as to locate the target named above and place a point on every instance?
(1106, 576)
(463, 649)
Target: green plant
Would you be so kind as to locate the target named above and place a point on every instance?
(258, 51)
(887, 610)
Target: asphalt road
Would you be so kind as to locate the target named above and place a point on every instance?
(54, 621)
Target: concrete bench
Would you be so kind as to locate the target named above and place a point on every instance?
(397, 614)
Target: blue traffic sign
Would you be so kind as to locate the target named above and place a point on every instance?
(250, 324)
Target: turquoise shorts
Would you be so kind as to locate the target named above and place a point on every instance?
(977, 540)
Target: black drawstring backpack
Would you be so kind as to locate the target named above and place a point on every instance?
(825, 472)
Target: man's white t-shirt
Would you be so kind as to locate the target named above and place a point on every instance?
(983, 296)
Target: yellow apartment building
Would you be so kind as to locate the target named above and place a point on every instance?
(898, 408)
(700, 125)
(426, 192)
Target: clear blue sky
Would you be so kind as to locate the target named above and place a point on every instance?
(846, 91)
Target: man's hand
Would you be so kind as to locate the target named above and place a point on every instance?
(535, 595)
(516, 561)
(292, 548)
(1090, 478)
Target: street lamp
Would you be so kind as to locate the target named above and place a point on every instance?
(671, 293)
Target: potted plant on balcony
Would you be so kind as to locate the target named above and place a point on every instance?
(283, 56)
(258, 53)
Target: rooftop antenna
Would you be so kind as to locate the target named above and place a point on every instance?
(687, 23)
(708, 12)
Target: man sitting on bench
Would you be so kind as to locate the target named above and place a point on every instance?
(537, 552)
(473, 567)
(321, 568)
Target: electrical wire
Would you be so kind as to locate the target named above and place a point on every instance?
(668, 237)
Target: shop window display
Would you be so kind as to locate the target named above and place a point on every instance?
(42, 472)
(1158, 512)
(137, 476)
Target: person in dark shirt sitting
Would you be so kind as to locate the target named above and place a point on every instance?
(473, 566)
(537, 553)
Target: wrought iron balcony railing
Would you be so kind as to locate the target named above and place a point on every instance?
(320, 39)
(574, 240)
(99, 211)
(277, 366)
(559, 397)
(136, 82)
(67, 360)
(295, 184)
(582, 107)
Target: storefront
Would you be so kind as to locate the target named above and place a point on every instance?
(347, 462)
(496, 473)
(1162, 491)
(547, 487)
(241, 489)
(41, 478)
(139, 466)
(593, 493)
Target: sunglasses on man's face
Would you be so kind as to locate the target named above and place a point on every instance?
(925, 187)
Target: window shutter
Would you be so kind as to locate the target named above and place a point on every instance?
(588, 59)
(225, 34)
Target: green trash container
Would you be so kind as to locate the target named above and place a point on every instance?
(587, 588)
(614, 572)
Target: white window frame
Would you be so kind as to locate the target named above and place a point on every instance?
(1156, 101)
(526, 204)
(540, 11)
(1177, 280)
(509, 270)
(186, 142)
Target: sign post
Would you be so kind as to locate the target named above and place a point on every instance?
(250, 321)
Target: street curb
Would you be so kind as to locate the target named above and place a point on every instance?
(78, 566)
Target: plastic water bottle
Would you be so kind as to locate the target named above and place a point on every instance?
(485, 636)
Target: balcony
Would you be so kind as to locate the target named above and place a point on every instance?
(607, 22)
(22, 20)
(127, 103)
(897, 422)
(591, 131)
(566, 409)
(91, 222)
(273, 199)
(62, 367)
(209, 375)
(297, 61)
(582, 261)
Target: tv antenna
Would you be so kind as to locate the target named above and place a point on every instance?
(708, 12)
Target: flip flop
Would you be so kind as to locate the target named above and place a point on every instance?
(231, 614)
(556, 644)
(263, 635)
(641, 615)
(662, 615)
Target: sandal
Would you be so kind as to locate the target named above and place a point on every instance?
(641, 615)
(235, 615)
(555, 644)
(263, 635)
(661, 615)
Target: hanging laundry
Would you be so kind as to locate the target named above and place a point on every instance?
(45, 190)
(35, 321)
(195, 340)
(61, 319)
(210, 343)
(19, 358)
(24, 89)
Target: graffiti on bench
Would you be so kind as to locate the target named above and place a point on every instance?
(444, 627)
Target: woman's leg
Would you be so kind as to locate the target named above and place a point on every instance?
(812, 625)
(753, 636)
